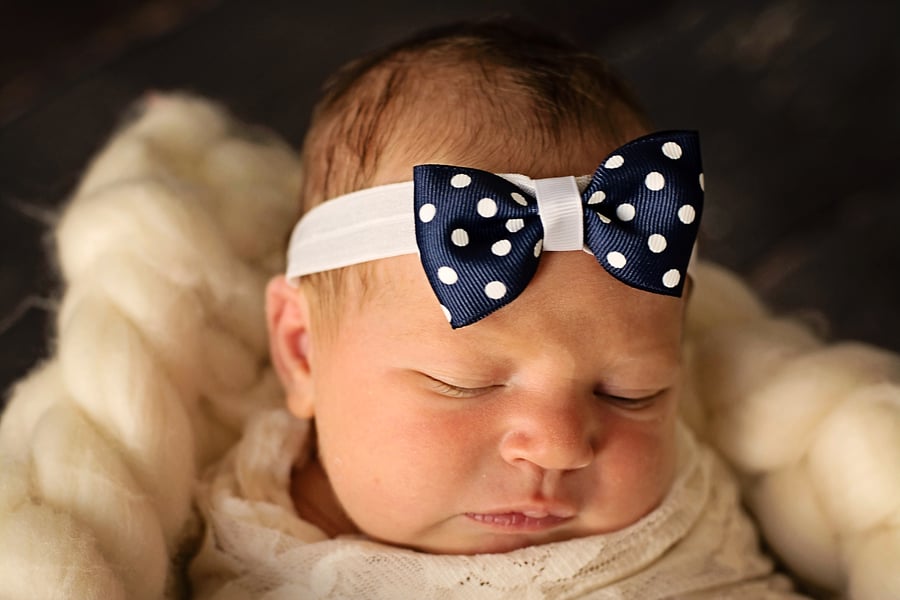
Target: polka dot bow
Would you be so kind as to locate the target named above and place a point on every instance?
(480, 236)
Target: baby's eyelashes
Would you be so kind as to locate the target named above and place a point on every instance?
(452, 390)
(632, 401)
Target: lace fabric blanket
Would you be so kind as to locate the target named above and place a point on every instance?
(160, 364)
(697, 543)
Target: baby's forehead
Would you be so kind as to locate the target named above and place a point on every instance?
(571, 295)
(588, 328)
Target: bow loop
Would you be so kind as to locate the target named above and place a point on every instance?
(462, 216)
(646, 199)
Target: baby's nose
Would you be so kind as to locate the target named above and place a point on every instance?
(555, 435)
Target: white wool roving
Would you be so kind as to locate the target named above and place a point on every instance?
(161, 353)
(161, 357)
(813, 431)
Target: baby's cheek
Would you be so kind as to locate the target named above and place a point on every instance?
(383, 467)
(641, 463)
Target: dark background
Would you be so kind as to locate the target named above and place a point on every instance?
(796, 101)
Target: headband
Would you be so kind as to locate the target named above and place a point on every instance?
(480, 235)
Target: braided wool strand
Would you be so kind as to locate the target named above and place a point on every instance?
(161, 352)
(812, 430)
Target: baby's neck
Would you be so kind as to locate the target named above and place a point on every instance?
(315, 502)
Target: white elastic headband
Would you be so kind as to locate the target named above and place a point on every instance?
(379, 222)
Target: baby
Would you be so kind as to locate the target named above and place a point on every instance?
(479, 334)
(549, 419)
(487, 365)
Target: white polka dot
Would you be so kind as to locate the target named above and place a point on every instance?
(702, 187)
(687, 214)
(519, 198)
(604, 218)
(487, 207)
(672, 150)
(538, 248)
(459, 237)
(654, 181)
(597, 197)
(625, 212)
(427, 212)
(460, 180)
(514, 225)
(447, 314)
(614, 162)
(657, 243)
(447, 275)
(495, 290)
(616, 259)
(501, 248)
(671, 278)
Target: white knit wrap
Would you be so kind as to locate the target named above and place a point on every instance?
(697, 541)
(160, 360)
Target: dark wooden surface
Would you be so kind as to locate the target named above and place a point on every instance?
(797, 104)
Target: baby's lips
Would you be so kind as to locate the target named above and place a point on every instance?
(518, 521)
(538, 511)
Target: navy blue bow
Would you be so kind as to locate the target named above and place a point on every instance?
(480, 236)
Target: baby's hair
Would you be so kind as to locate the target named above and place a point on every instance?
(499, 90)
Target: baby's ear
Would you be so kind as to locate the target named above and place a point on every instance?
(288, 321)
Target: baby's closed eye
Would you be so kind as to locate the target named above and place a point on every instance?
(632, 399)
(453, 389)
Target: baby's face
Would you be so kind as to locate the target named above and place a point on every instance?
(552, 418)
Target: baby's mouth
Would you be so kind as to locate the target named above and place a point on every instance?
(527, 520)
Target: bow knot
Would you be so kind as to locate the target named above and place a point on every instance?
(480, 235)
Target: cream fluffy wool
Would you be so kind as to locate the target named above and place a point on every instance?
(161, 356)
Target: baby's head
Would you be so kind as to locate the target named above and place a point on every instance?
(550, 418)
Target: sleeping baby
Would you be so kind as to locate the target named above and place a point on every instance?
(480, 335)
(491, 367)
